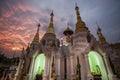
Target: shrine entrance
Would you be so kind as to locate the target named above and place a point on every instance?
(39, 67)
(97, 66)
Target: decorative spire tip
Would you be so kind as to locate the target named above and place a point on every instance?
(76, 6)
(68, 24)
(52, 13)
(39, 25)
(99, 29)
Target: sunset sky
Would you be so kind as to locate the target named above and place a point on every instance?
(19, 19)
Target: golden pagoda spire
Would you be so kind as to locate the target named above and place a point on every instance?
(77, 13)
(51, 27)
(36, 37)
(80, 24)
(100, 36)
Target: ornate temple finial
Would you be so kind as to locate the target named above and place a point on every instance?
(68, 32)
(80, 24)
(77, 8)
(51, 27)
(36, 37)
(75, 4)
(38, 28)
(51, 19)
(100, 35)
(67, 24)
(52, 13)
(99, 29)
(39, 25)
(77, 12)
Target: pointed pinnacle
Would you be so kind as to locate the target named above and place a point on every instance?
(99, 29)
(52, 13)
(76, 8)
(39, 25)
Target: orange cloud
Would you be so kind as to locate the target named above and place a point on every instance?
(19, 25)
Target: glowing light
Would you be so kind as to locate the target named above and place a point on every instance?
(61, 39)
(97, 65)
(39, 65)
(16, 49)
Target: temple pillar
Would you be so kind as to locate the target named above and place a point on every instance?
(58, 68)
(31, 68)
(82, 67)
(68, 67)
(110, 74)
(17, 75)
(89, 76)
(49, 67)
(72, 68)
(45, 74)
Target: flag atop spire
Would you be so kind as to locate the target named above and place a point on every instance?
(36, 37)
(51, 26)
(79, 24)
(100, 35)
